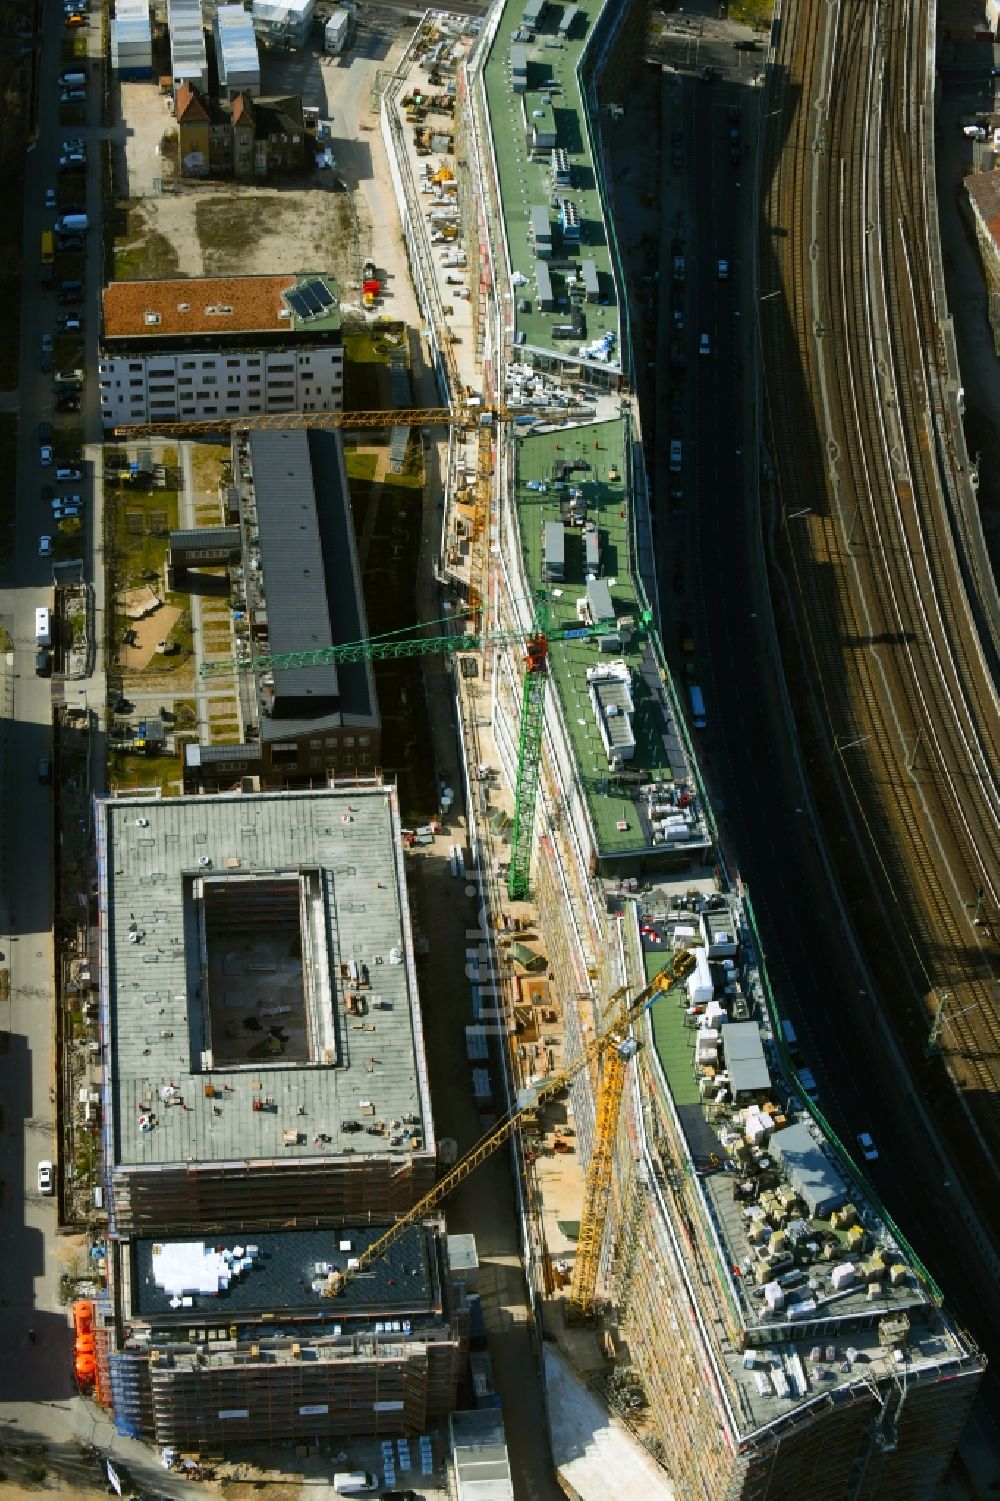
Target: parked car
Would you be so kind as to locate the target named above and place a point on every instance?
(704, 345)
(69, 323)
(745, 44)
(68, 500)
(66, 474)
(66, 513)
(867, 1146)
(45, 777)
(45, 547)
(43, 664)
(68, 404)
(45, 454)
(44, 1177)
(723, 270)
(122, 705)
(48, 342)
(50, 197)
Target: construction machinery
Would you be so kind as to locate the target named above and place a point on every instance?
(610, 1052)
(535, 643)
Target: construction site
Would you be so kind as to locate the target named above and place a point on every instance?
(699, 1249)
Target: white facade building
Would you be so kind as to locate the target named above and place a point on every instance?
(283, 24)
(236, 52)
(233, 347)
(132, 39)
(338, 31)
(188, 57)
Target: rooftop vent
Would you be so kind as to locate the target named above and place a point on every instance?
(218, 309)
(184, 307)
(150, 317)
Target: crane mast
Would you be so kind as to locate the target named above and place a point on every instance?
(612, 1046)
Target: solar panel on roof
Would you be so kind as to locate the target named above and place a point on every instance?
(321, 292)
(312, 301)
(296, 303)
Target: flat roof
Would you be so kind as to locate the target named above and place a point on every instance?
(479, 1451)
(298, 610)
(600, 448)
(311, 580)
(794, 1355)
(172, 1276)
(744, 1054)
(237, 41)
(525, 180)
(233, 1045)
(214, 305)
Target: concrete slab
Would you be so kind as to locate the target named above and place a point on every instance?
(594, 1455)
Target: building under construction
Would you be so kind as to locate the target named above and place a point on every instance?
(779, 1336)
(265, 1112)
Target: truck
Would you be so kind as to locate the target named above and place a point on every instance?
(72, 224)
(48, 247)
(43, 626)
(697, 707)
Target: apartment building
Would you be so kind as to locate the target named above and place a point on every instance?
(218, 347)
(784, 1339)
(297, 589)
(251, 1150)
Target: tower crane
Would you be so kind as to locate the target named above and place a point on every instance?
(611, 1052)
(535, 644)
(463, 414)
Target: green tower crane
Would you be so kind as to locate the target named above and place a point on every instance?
(535, 644)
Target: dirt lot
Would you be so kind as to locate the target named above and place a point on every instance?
(173, 227)
(156, 627)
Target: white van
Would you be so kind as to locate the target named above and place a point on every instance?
(43, 626)
(354, 1483)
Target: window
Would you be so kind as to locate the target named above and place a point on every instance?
(187, 364)
(156, 374)
(254, 378)
(280, 385)
(232, 363)
(167, 401)
(185, 380)
(253, 362)
(315, 762)
(331, 742)
(349, 741)
(364, 757)
(203, 395)
(315, 745)
(137, 381)
(210, 380)
(136, 366)
(160, 389)
(233, 411)
(280, 369)
(364, 740)
(253, 409)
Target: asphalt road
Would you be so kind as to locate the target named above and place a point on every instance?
(36, 1382)
(763, 810)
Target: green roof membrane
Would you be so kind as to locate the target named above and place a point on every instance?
(612, 800)
(526, 128)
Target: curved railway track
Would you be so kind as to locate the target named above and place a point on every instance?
(853, 367)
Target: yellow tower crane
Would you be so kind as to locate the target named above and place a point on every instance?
(464, 414)
(610, 1051)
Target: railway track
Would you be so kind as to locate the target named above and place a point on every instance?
(853, 367)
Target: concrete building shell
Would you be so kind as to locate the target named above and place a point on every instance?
(667, 1269)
